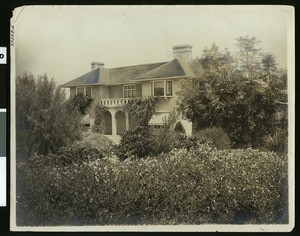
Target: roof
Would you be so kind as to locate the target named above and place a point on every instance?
(91, 77)
(174, 68)
(127, 74)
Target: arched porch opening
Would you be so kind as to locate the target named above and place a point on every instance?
(107, 123)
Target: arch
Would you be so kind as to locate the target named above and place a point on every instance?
(179, 128)
(107, 121)
(121, 122)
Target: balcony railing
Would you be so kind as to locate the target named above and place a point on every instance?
(116, 102)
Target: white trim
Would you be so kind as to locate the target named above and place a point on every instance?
(2, 109)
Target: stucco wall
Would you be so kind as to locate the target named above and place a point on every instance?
(116, 91)
(72, 91)
(146, 89)
(95, 92)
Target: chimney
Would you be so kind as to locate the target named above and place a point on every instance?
(96, 64)
(183, 51)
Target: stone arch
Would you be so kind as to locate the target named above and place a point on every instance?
(120, 122)
(107, 121)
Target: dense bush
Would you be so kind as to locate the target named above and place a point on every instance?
(218, 137)
(98, 126)
(276, 142)
(199, 186)
(138, 142)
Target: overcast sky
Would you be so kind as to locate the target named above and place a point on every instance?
(62, 40)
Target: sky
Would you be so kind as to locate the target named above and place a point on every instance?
(62, 41)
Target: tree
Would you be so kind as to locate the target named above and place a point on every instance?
(43, 122)
(243, 103)
(249, 56)
(216, 64)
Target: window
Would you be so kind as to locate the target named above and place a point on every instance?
(87, 91)
(162, 88)
(129, 91)
(159, 88)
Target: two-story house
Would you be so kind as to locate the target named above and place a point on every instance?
(114, 87)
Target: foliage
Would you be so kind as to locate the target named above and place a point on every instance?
(98, 126)
(249, 56)
(138, 142)
(276, 142)
(79, 103)
(218, 137)
(43, 121)
(243, 95)
(200, 186)
(142, 110)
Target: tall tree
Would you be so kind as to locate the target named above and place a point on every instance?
(241, 102)
(249, 56)
(43, 122)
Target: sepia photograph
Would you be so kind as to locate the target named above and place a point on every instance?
(152, 118)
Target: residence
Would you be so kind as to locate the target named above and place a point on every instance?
(115, 87)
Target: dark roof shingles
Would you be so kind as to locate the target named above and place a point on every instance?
(169, 69)
(91, 77)
(125, 74)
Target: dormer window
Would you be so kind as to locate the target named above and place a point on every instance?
(162, 88)
(84, 91)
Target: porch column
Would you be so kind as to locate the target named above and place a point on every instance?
(127, 120)
(113, 123)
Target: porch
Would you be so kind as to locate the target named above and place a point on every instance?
(116, 120)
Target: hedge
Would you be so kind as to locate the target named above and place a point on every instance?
(200, 186)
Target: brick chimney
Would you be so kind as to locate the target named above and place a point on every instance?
(96, 64)
(183, 51)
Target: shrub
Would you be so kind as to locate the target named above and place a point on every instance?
(203, 185)
(276, 142)
(218, 137)
(98, 126)
(138, 142)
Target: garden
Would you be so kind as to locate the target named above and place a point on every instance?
(232, 170)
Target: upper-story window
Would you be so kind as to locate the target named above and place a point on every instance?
(129, 91)
(162, 88)
(87, 91)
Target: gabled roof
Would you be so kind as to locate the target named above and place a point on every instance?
(174, 68)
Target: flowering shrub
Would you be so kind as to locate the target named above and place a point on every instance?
(196, 186)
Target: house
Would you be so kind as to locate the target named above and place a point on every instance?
(114, 87)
